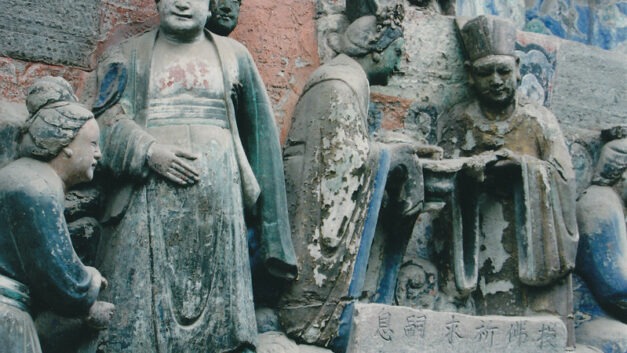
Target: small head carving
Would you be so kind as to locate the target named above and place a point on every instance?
(417, 285)
(612, 163)
(376, 42)
(224, 16)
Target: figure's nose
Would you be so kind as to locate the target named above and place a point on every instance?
(495, 79)
(181, 4)
(97, 153)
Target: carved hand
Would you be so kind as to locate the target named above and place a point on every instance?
(100, 315)
(509, 159)
(405, 177)
(173, 163)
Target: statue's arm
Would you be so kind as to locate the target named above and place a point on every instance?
(260, 138)
(54, 271)
(125, 144)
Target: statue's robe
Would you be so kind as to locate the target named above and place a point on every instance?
(602, 254)
(330, 170)
(36, 255)
(522, 219)
(177, 259)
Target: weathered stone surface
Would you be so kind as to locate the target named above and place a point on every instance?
(604, 333)
(393, 329)
(277, 342)
(589, 90)
(433, 71)
(55, 31)
(12, 116)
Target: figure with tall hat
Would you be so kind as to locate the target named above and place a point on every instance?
(514, 235)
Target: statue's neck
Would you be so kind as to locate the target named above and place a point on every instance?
(498, 113)
(181, 38)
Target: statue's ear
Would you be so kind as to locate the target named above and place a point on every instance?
(67, 152)
(518, 76)
(376, 56)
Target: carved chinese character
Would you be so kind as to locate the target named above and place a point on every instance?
(384, 329)
(452, 331)
(517, 333)
(485, 333)
(416, 326)
(547, 336)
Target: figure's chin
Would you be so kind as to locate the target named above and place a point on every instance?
(497, 102)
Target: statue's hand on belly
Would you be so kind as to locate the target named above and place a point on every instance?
(173, 163)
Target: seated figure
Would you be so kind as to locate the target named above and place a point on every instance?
(38, 266)
(602, 254)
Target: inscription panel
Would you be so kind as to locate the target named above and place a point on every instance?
(394, 329)
(52, 31)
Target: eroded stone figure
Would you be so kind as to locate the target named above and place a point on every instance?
(224, 16)
(188, 130)
(335, 175)
(513, 231)
(601, 210)
(59, 149)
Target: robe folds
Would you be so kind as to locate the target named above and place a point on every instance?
(331, 168)
(37, 259)
(177, 256)
(523, 217)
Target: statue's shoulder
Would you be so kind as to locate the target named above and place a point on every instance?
(341, 69)
(120, 52)
(29, 178)
(538, 114)
(230, 46)
(459, 113)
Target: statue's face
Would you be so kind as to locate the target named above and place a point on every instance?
(224, 16)
(390, 59)
(495, 79)
(183, 18)
(85, 153)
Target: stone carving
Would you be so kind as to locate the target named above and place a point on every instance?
(189, 132)
(510, 214)
(336, 175)
(224, 16)
(59, 149)
(394, 329)
(602, 254)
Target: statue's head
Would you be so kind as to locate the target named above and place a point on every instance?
(493, 68)
(183, 20)
(60, 130)
(376, 42)
(612, 164)
(224, 16)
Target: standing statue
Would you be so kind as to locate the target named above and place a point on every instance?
(513, 225)
(224, 16)
(333, 169)
(601, 211)
(188, 128)
(59, 149)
